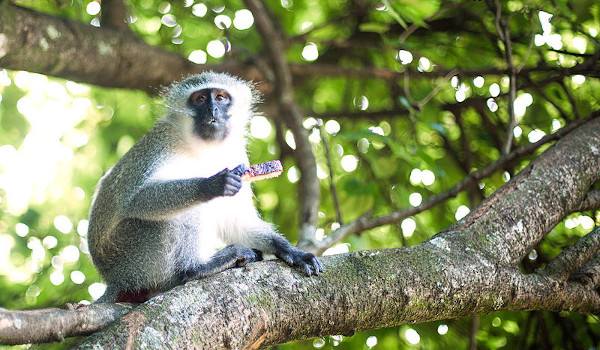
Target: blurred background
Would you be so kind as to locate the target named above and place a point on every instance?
(385, 143)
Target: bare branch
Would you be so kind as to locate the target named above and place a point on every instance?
(49, 325)
(332, 187)
(373, 115)
(591, 201)
(114, 15)
(573, 258)
(290, 112)
(474, 327)
(571, 99)
(589, 275)
(503, 30)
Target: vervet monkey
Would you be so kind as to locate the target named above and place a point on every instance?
(161, 214)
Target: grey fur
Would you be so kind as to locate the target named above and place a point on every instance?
(144, 231)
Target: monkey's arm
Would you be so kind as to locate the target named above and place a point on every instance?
(161, 200)
(270, 241)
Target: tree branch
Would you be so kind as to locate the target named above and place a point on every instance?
(45, 44)
(503, 30)
(589, 275)
(114, 15)
(48, 325)
(309, 182)
(332, 188)
(574, 257)
(271, 304)
(591, 201)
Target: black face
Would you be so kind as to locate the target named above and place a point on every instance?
(211, 107)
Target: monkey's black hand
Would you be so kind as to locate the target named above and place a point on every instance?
(305, 261)
(226, 182)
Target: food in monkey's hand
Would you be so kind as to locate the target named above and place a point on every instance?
(262, 171)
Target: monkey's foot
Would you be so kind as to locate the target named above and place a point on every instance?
(307, 262)
(247, 255)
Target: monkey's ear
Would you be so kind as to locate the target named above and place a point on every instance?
(257, 96)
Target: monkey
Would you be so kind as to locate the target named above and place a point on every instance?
(174, 208)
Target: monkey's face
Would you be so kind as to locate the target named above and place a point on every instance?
(211, 113)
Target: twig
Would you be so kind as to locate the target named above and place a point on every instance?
(576, 54)
(332, 187)
(571, 99)
(504, 33)
(385, 195)
(435, 90)
(542, 92)
(473, 332)
(302, 37)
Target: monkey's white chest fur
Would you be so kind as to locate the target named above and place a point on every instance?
(220, 221)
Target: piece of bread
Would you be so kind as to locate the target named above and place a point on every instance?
(266, 170)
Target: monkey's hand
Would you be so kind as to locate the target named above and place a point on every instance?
(226, 182)
(305, 261)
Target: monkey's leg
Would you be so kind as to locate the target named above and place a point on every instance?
(161, 200)
(270, 241)
(231, 256)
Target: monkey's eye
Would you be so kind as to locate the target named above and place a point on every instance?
(221, 97)
(198, 97)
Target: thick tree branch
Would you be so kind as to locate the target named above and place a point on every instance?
(267, 303)
(44, 44)
(48, 325)
(573, 258)
(290, 112)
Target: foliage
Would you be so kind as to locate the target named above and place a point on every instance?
(58, 137)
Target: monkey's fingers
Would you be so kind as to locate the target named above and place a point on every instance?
(230, 190)
(240, 169)
(317, 265)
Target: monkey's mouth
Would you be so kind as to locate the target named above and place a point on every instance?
(211, 128)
